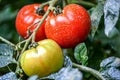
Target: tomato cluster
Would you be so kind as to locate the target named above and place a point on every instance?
(63, 30)
(68, 28)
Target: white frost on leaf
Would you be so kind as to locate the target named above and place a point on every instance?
(96, 17)
(69, 74)
(66, 73)
(111, 15)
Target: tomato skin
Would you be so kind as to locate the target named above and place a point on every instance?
(70, 27)
(26, 17)
(43, 60)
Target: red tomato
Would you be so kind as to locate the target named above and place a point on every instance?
(70, 27)
(26, 17)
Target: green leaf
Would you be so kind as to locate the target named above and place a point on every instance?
(110, 62)
(80, 53)
(9, 76)
(6, 50)
(115, 44)
(111, 11)
(96, 15)
(69, 74)
(6, 55)
(66, 73)
(34, 77)
(110, 68)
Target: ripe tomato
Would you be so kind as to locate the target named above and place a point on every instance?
(43, 60)
(70, 27)
(26, 17)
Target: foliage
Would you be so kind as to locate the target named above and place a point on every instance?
(110, 68)
(6, 55)
(80, 53)
(98, 57)
(9, 76)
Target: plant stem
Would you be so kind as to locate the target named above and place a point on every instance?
(6, 41)
(20, 43)
(44, 4)
(51, 4)
(85, 3)
(40, 23)
(32, 25)
(65, 2)
(32, 37)
(90, 70)
(26, 44)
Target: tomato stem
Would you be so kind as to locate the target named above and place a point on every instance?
(51, 4)
(81, 2)
(89, 70)
(29, 32)
(6, 41)
(40, 10)
(44, 4)
(20, 43)
(32, 36)
(40, 23)
(26, 44)
(65, 2)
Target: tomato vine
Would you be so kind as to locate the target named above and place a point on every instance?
(32, 38)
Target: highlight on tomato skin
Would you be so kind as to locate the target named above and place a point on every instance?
(45, 59)
(27, 20)
(70, 27)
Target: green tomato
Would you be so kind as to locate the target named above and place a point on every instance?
(43, 60)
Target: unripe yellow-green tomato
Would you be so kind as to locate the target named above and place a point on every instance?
(43, 60)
